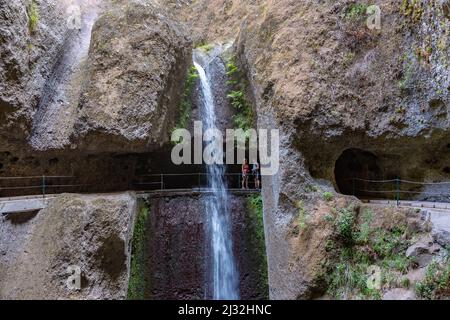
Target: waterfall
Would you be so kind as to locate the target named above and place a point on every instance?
(224, 271)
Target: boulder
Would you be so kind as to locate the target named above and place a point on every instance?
(441, 236)
(91, 233)
(422, 252)
(136, 72)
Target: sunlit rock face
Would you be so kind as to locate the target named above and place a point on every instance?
(135, 77)
(95, 75)
(331, 84)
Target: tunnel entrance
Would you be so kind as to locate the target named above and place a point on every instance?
(355, 163)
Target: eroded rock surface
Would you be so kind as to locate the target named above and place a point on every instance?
(91, 232)
(329, 84)
(137, 66)
(122, 96)
(28, 51)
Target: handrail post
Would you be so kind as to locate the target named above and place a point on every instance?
(162, 181)
(397, 191)
(43, 187)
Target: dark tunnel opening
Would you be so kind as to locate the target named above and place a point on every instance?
(356, 164)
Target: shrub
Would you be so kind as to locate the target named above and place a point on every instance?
(345, 224)
(358, 250)
(356, 11)
(364, 232)
(302, 217)
(328, 196)
(436, 281)
(244, 118)
(205, 47)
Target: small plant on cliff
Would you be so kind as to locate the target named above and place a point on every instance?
(33, 16)
(363, 234)
(356, 11)
(244, 118)
(205, 47)
(328, 196)
(255, 239)
(302, 217)
(136, 286)
(185, 107)
(412, 9)
(345, 224)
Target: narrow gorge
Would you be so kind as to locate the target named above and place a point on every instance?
(98, 98)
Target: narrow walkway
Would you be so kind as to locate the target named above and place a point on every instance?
(23, 204)
(33, 203)
(414, 204)
(437, 212)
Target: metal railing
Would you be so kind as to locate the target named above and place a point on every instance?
(44, 185)
(37, 185)
(397, 189)
(165, 181)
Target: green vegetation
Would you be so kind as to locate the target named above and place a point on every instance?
(136, 286)
(244, 118)
(436, 282)
(356, 10)
(407, 75)
(205, 47)
(345, 224)
(328, 196)
(255, 205)
(358, 250)
(185, 108)
(412, 9)
(33, 16)
(256, 239)
(302, 216)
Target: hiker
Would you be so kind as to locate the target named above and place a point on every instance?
(255, 172)
(245, 173)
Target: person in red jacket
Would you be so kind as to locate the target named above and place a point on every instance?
(245, 174)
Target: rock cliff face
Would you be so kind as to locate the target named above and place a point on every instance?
(64, 90)
(178, 248)
(136, 72)
(348, 100)
(75, 102)
(30, 41)
(329, 83)
(91, 232)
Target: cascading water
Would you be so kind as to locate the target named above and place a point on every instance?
(224, 272)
